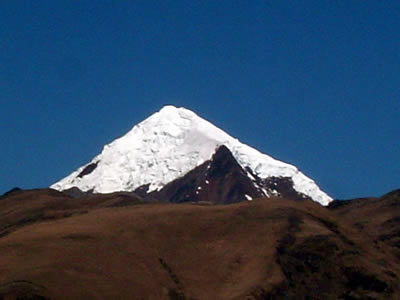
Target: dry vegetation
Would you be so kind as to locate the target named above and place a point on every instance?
(54, 246)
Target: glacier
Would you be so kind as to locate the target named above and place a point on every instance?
(166, 146)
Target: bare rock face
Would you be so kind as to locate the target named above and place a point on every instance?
(221, 180)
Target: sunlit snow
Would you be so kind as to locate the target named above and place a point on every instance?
(166, 146)
(249, 198)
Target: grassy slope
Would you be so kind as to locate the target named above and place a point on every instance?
(98, 248)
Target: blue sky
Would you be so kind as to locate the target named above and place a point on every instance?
(313, 83)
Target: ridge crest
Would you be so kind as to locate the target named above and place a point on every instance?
(166, 146)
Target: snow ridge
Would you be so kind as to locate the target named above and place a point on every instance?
(166, 146)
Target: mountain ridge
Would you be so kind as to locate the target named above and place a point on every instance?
(166, 146)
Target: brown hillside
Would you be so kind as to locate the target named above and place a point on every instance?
(113, 247)
(378, 218)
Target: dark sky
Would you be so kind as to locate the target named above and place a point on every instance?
(312, 83)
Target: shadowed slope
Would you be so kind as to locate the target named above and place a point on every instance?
(221, 180)
(378, 218)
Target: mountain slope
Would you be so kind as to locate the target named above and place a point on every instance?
(263, 249)
(221, 180)
(168, 145)
(378, 218)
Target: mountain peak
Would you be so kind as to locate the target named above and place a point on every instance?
(174, 110)
(166, 146)
(170, 113)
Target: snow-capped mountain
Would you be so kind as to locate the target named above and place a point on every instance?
(168, 145)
